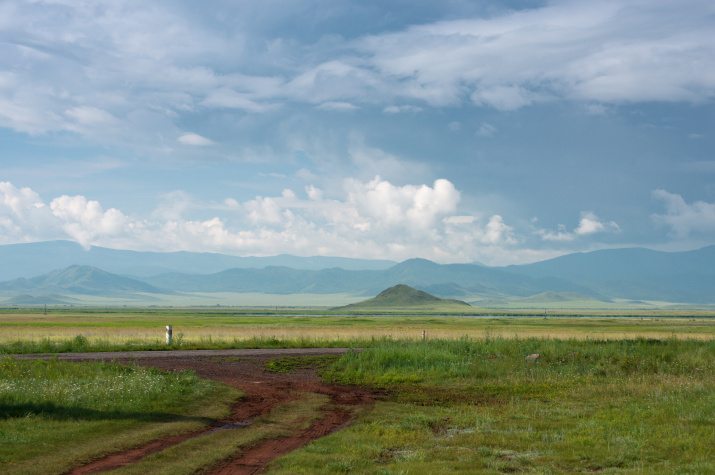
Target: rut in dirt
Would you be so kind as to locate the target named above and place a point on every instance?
(264, 391)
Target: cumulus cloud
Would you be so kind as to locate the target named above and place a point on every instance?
(373, 219)
(682, 218)
(588, 224)
(84, 220)
(497, 232)
(23, 215)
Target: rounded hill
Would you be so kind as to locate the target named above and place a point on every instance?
(405, 297)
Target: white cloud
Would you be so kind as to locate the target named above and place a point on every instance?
(264, 211)
(195, 140)
(588, 224)
(314, 193)
(84, 220)
(497, 232)
(107, 66)
(603, 52)
(682, 218)
(374, 219)
(560, 235)
(460, 219)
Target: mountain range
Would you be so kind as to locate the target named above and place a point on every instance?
(33, 259)
(629, 274)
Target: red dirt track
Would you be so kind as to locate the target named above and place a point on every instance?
(245, 370)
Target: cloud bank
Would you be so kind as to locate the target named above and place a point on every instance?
(112, 68)
(373, 219)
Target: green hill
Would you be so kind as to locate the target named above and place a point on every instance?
(82, 280)
(403, 297)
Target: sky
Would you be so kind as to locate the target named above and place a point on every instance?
(498, 132)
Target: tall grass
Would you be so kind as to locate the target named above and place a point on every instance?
(81, 344)
(55, 414)
(57, 389)
(477, 406)
(500, 359)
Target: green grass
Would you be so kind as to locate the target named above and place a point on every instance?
(74, 331)
(54, 415)
(199, 454)
(466, 406)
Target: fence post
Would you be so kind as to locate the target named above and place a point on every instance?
(168, 334)
(424, 337)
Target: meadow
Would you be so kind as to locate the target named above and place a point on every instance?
(477, 406)
(607, 394)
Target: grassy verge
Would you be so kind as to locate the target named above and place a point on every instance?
(466, 406)
(55, 415)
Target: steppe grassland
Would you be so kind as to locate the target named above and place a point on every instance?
(55, 415)
(466, 406)
(106, 330)
(472, 403)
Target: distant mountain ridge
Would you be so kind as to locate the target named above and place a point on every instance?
(81, 280)
(32, 259)
(634, 273)
(627, 274)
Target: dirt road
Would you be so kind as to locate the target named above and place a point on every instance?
(245, 370)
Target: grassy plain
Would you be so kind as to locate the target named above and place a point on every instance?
(476, 406)
(612, 395)
(117, 329)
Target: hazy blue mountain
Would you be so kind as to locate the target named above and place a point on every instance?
(33, 259)
(419, 273)
(447, 289)
(275, 280)
(634, 273)
(626, 263)
(82, 280)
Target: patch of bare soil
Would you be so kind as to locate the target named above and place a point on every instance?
(245, 370)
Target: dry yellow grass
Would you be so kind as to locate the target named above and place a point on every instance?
(190, 334)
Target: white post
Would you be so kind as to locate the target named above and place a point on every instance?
(168, 334)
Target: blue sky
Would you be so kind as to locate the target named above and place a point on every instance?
(458, 131)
